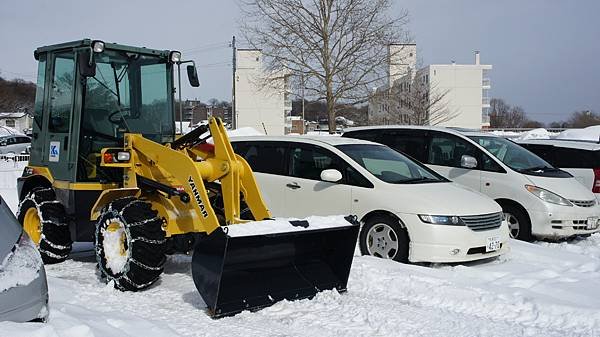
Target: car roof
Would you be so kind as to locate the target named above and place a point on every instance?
(572, 144)
(329, 140)
(451, 130)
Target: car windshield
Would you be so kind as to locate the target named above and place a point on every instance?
(388, 165)
(513, 155)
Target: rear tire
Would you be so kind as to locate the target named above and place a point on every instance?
(519, 224)
(384, 237)
(130, 244)
(44, 219)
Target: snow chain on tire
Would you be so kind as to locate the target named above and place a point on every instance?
(143, 244)
(55, 243)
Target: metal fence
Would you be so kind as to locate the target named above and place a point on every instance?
(11, 161)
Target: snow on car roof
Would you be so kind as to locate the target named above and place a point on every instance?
(573, 144)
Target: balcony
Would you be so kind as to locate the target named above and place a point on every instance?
(485, 101)
(486, 83)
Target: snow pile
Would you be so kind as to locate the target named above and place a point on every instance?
(21, 266)
(245, 131)
(113, 244)
(7, 131)
(506, 134)
(9, 172)
(540, 133)
(283, 225)
(591, 133)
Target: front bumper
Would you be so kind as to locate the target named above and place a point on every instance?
(560, 222)
(26, 303)
(447, 244)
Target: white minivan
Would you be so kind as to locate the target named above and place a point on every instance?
(408, 212)
(538, 200)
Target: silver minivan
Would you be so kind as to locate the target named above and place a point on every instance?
(23, 287)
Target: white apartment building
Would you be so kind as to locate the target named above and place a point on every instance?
(261, 106)
(460, 92)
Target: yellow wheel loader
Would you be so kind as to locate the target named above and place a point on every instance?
(107, 168)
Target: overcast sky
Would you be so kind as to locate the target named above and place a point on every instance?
(544, 53)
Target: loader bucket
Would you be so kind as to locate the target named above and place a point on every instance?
(253, 265)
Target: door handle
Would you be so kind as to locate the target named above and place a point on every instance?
(293, 186)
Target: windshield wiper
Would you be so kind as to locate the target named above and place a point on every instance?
(416, 180)
(542, 168)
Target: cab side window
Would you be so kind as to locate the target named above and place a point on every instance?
(63, 80)
(447, 150)
(263, 157)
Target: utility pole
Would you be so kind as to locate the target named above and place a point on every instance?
(303, 120)
(233, 110)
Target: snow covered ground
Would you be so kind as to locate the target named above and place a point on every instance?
(540, 289)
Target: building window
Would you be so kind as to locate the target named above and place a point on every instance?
(10, 123)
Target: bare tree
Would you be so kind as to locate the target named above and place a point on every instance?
(338, 47)
(503, 115)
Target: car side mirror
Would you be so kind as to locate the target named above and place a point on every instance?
(193, 76)
(467, 161)
(331, 175)
(87, 64)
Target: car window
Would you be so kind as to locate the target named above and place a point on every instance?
(517, 157)
(447, 150)
(11, 140)
(576, 158)
(370, 135)
(411, 142)
(388, 165)
(309, 161)
(263, 157)
(24, 140)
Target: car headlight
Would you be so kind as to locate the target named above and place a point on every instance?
(451, 220)
(22, 264)
(548, 196)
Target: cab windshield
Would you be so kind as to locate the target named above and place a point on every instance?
(130, 93)
(388, 165)
(517, 157)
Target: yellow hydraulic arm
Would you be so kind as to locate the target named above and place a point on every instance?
(185, 171)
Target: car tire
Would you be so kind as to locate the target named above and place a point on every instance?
(383, 236)
(519, 224)
(44, 219)
(130, 244)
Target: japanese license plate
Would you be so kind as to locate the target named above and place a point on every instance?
(592, 223)
(493, 244)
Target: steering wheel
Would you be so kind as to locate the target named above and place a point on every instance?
(118, 111)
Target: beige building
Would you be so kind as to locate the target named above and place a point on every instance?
(460, 93)
(262, 101)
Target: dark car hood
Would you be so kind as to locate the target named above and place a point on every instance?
(10, 230)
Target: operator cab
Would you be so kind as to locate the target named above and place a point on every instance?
(95, 93)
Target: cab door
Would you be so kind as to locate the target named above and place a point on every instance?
(305, 193)
(58, 116)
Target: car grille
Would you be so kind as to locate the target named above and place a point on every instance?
(584, 203)
(483, 222)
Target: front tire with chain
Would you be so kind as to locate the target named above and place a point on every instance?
(44, 219)
(130, 244)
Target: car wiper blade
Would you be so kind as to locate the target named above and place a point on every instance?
(540, 168)
(417, 180)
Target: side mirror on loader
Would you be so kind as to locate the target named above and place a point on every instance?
(193, 76)
(87, 65)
